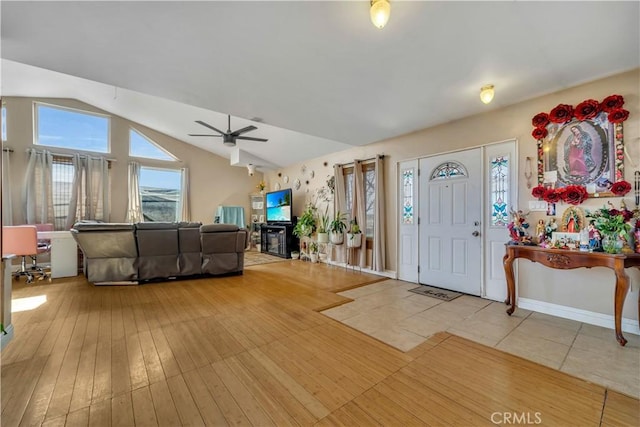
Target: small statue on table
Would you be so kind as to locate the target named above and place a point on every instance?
(518, 228)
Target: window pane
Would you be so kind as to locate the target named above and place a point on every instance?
(141, 146)
(499, 188)
(448, 170)
(58, 127)
(369, 200)
(160, 194)
(407, 196)
(348, 187)
(62, 172)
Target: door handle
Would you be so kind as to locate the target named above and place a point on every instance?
(475, 233)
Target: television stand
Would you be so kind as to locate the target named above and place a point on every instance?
(278, 239)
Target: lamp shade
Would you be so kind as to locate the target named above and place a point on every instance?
(486, 93)
(380, 11)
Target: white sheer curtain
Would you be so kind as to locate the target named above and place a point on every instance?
(134, 208)
(185, 212)
(339, 205)
(38, 190)
(358, 211)
(7, 205)
(379, 219)
(89, 190)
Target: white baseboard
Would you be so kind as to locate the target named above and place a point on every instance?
(590, 317)
(5, 338)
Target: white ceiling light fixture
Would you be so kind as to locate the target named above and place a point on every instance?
(486, 93)
(380, 12)
(251, 169)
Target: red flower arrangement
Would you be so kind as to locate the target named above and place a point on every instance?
(539, 133)
(587, 109)
(552, 195)
(574, 194)
(618, 115)
(620, 188)
(538, 192)
(611, 103)
(561, 114)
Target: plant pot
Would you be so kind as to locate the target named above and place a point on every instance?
(354, 240)
(323, 237)
(336, 238)
(295, 255)
(313, 257)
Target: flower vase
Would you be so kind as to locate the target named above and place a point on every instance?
(611, 244)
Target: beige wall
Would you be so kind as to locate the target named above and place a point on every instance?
(213, 181)
(580, 288)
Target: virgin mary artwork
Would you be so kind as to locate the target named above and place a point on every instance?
(580, 153)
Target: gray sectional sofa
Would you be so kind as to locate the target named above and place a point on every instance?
(132, 253)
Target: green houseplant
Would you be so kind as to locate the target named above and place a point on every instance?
(306, 224)
(354, 235)
(323, 226)
(313, 251)
(612, 225)
(337, 228)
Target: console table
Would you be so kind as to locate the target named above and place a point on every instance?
(566, 260)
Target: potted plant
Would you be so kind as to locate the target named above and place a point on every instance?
(354, 235)
(337, 228)
(323, 227)
(295, 254)
(306, 224)
(313, 251)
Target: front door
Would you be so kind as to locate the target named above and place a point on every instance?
(450, 221)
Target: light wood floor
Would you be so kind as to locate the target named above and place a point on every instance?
(253, 350)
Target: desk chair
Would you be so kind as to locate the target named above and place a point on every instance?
(22, 240)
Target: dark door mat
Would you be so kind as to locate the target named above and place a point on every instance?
(434, 292)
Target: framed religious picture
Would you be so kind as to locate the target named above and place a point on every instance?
(582, 146)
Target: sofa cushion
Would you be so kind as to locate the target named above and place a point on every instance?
(216, 228)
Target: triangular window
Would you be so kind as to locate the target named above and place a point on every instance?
(141, 146)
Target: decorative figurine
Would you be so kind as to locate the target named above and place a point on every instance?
(518, 228)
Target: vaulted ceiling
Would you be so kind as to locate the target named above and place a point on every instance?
(320, 76)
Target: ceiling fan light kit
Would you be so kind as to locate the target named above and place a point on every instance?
(229, 138)
(380, 12)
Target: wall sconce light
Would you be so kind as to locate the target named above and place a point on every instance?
(380, 11)
(251, 169)
(486, 93)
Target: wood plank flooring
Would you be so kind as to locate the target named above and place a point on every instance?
(253, 350)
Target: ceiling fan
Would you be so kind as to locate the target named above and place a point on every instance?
(229, 138)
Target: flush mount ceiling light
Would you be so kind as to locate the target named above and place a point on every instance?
(380, 11)
(486, 93)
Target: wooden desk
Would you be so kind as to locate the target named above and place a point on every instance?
(566, 260)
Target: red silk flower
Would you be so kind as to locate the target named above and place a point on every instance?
(574, 194)
(539, 133)
(538, 192)
(620, 188)
(540, 120)
(618, 115)
(587, 109)
(551, 196)
(611, 103)
(561, 114)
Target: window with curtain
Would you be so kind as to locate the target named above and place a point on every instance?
(63, 127)
(160, 194)
(369, 195)
(62, 173)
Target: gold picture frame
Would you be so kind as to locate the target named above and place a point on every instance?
(573, 220)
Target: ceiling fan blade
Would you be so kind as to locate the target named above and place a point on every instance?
(201, 134)
(248, 138)
(243, 130)
(200, 122)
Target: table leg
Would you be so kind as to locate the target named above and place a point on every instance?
(511, 283)
(622, 287)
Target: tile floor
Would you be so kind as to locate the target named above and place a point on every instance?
(389, 312)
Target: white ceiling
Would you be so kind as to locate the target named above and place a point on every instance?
(319, 74)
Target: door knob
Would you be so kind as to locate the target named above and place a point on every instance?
(475, 233)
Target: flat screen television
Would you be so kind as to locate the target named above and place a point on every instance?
(279, 205)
